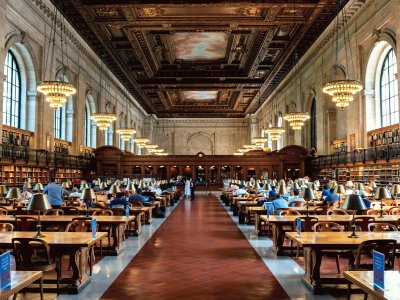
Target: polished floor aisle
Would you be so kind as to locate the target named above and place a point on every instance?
(197, 253)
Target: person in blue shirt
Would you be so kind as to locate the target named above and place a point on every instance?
(272, 193)
(119, 201)
(366, 201)
(137, 198)
(326, 191)
(279, 202)
(330, 198)
(54, 191)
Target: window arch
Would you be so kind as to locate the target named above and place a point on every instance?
(388, 90)
(12, 92)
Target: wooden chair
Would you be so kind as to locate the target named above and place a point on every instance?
(307, 224)
(83, 225)
(55, 212)
(6, 227)
(297, 204)
(25, 224)
(337, 212)
(375, 212)
(362, 222)
(386, 247)
(381, 227)
(394, 211)
(390, 202)
(277, 211)
(70, 210)
(320, 210)
(331, 227)
(34, 255)
(118, 211)
(3, 211)
(105, 212)
(289, 212)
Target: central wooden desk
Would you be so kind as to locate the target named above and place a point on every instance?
(75, 243)
(365, 279)
(19, 281)
(279, 223)
(117, 224)
(315, 242)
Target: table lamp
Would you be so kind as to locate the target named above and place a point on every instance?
(84, 185)
(87, 197)
(339, 189)
(13, 194)
(27, 185)
(333, 184)
(295, 186)
(382, 194)
(373, 186)
(39, 202)
(103, 185)
(114, 189)
(317, 183)
(95, 182)
(354, 202)
(267, 187)
(308, 195)
(117, 182)
(313, 186)
(3, 193)
(281, 190)
(395, 192)
(38, 187)
(131, 187)
(349, 184)
(108, 182)
(65, 185)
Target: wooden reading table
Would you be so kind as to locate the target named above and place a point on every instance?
(19, 281)
(75, 243)
(315, 242)
(365, 279)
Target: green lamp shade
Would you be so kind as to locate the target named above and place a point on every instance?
(382, 194)
(354, 202)
(308, 194)
(14, 193)
(39, 202)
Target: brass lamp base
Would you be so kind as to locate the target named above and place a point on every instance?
(38, 233)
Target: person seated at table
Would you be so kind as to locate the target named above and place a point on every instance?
(295, 197)
(272, 194)
(330, 198)
(156, 189)
(367, 202)
(240, 191)
(233, 188)
(279, 202)
(148, 193)
(119, 201)
(26, 194)
(137, 199)
(75, 192)
(326, 192)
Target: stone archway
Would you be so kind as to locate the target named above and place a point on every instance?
(199, 142)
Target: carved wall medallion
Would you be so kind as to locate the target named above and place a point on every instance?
(150, 12)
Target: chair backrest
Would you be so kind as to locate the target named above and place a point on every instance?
(307, 223)
(381, 227)
(390, 202)
(25, 223)
(386, 247)
(394, 211)
(55, 212)
(35, 212)
(297, 203)
(6, 227)
(31, 253)
(79, 226)
(289, 212)
(362, 222)
(337, 211)
(320, 210)
(327, 227)
(375, 212)
(103, 212)
(3, 211)
(70, 210)
(118, 211)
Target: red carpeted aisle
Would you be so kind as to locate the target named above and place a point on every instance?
(198, 253)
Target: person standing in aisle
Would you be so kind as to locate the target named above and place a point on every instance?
(187, 188)
(192, 186)
(53, 191)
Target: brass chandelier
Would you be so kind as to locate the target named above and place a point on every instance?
(342, 91)
(103, 120)
(141, 142)
(125, 133)
(56, 92)
(274, 133)
(296, 119)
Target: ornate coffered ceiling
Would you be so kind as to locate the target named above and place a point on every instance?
(199, 58)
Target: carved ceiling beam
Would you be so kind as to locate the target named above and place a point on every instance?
(198, 81)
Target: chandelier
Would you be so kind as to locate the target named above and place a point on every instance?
(238, 153)
(150, 146)
(259, 140)
(162, 154)
(141, 142)
(56, 92)
(342, 91)
(241, 150)
(156, 150)
(103, 120)
(274, 133)
(250, 147)
(296, 119)
(126, 133)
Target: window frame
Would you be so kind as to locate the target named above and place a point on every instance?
(12, 115)
(58, 116)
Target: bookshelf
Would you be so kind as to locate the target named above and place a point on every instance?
(17, 175)
(61, 146)
(15, 136)
(384, 136)
(64, 174)
(382, 174)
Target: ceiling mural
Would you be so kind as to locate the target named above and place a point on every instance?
(199, 58)
(200, 95)
(199, 45)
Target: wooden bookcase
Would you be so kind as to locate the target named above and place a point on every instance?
(384, 136)
(17, 175)
(339, 146)
(64, 174)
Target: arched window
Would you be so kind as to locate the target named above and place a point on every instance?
(313, 124)
(388, 90)
(58, 122)
(87, 138)
(11, 92)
